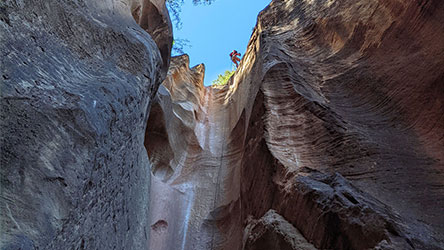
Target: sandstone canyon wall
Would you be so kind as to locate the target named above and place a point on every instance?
(76, 86)
(330, 135)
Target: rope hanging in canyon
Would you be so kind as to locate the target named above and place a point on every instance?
(217, 191)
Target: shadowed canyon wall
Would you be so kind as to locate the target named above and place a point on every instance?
(330, 135)
(76, 86)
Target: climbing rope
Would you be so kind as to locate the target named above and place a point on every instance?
(217, 191)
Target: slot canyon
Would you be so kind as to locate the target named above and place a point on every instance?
(330, 134)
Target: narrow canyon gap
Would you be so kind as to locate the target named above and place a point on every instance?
(330, 135)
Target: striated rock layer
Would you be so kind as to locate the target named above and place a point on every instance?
(76, 87)
(185, 140)
(330, 133)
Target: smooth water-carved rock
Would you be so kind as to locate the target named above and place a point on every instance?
(77, 81)
(153, 17)
(333, 119)
(186, 184)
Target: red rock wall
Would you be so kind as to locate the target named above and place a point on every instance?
(355, 88)
(334, 120)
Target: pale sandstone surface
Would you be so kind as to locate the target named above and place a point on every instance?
(77, 81)
(334, 119)
(185, 141)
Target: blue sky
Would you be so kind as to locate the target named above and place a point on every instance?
(215, 30)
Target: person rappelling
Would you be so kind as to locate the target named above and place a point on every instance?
(234, 57)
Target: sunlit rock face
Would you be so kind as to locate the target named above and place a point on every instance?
(76, 86)
(329, 135)
(186, 137)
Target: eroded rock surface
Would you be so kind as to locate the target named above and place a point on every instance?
(272, 231)
(185, 140)
(153, 17)
(76, 87)
(329, 135)
(333, 120)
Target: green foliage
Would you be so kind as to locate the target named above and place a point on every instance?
(223, 79)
